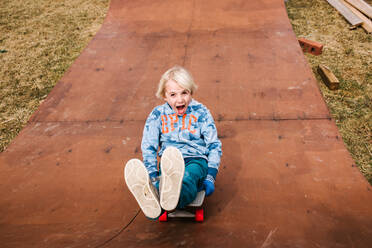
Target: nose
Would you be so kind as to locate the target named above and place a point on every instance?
(179, 97)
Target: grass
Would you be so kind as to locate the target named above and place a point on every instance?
(39, 40)
(348, 54)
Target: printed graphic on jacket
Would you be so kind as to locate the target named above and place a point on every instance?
(168, 123)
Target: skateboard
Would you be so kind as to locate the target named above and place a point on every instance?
(193, 210)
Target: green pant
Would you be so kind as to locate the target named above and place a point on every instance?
(195, 172)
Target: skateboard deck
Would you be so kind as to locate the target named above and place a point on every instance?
(193, 210)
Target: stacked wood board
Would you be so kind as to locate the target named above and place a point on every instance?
(362, 6)
(356, 12)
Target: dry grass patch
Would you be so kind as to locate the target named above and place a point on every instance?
(39, 40)
(348, 53)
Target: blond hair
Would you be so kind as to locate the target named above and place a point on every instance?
(178, 74)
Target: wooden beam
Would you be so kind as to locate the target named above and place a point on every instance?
(367, 23)
(328, 77)
(361, 6)
(349, 16)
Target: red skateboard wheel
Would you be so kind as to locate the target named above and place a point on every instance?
(199, 215)
(163, 217)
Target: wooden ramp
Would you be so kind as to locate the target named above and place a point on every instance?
(286, 179)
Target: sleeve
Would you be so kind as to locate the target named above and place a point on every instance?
(150, 142)
(214, 145)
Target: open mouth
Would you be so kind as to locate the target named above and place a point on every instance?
(180, 107)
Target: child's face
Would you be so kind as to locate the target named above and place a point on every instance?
(177, 97)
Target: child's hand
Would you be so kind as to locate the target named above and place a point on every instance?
(209, 185)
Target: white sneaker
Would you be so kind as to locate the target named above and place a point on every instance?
(138, 182)
(172, 170)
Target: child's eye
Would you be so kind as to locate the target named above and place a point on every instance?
(184, 93)
(172, 94)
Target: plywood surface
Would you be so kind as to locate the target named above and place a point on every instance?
(286, 178)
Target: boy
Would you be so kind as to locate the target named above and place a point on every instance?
(190, 150)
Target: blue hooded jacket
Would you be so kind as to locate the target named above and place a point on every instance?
(194, 134)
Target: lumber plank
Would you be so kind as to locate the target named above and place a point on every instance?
(328, 77)
(343, 10)
(361, 6)
(367, 23)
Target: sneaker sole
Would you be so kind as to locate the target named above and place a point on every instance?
(172, 170)
(138, 182)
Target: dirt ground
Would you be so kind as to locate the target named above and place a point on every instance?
(39, 40)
